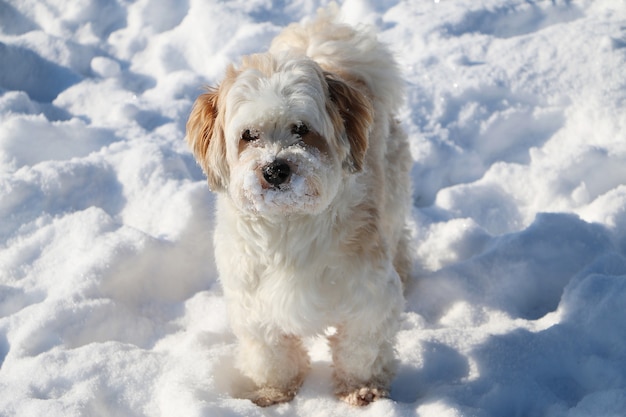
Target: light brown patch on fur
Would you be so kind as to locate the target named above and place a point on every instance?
(363, 396)
(317, 141)
(364, 239)
(265, 64)
(243, 145)
(352, 114)
(275, 391)
(352, 390)
(205, 132)
(267, 396)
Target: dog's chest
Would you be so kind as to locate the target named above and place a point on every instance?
(299, 278)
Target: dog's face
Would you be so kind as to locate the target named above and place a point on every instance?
(279, 135)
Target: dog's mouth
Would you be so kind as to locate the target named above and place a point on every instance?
(282, 188)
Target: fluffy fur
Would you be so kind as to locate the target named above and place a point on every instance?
(311, 171)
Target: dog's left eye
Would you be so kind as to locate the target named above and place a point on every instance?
(300, 129)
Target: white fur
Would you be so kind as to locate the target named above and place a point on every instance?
(325, 248)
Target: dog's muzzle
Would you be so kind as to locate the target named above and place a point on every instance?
(277, 172)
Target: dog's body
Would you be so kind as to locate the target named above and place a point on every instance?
(311, 171)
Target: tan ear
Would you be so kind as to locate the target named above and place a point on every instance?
(355, 118)
(205, 136)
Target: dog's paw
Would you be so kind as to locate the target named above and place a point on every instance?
(266, 396)
(363, 396)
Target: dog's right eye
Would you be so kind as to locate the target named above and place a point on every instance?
(248, 135)
(300, 129)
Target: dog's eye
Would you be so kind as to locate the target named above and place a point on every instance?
(249, 135)
(300, 129)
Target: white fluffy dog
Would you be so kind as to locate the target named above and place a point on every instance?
(311, 171)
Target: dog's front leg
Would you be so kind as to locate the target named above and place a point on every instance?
(276, 364)
(363, 361)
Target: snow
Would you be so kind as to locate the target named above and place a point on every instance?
(109, 300)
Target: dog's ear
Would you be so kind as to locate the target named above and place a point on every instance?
(355, 116)
(205, 135)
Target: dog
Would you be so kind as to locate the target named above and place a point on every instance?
(311, 170)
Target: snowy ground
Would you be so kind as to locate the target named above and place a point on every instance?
(109, 304)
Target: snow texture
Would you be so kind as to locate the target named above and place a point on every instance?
(109, 300)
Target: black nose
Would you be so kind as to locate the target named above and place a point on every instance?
(277, 172)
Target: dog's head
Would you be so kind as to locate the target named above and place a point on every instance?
(279, 134)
